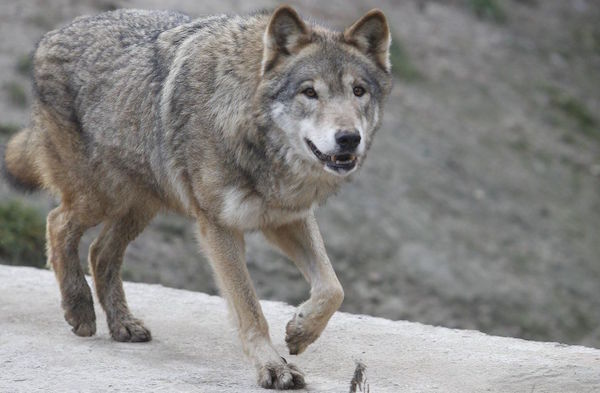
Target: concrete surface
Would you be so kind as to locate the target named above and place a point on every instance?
(196, 350)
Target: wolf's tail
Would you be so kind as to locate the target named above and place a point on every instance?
(19, 161)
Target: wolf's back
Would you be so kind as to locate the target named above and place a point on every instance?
(75, 75)
(76, 65)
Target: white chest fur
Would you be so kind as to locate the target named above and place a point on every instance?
(248, 211)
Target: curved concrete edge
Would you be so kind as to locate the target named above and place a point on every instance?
(196, 350)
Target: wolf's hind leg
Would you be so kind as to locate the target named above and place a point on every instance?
(105, 259)
(63, 231)
(301, 241)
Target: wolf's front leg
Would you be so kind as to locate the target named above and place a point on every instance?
(301, 241)
(225, 250)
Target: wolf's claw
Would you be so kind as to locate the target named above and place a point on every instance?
(79, 313)
(280, 376)
(130, 330)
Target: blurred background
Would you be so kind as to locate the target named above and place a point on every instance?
(479, 204)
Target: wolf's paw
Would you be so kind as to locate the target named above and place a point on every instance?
(81, 317)
(298, 335)
(275, 375)
(129, 330)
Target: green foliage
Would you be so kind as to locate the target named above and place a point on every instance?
(587, 37)
(16, 94)
(402, 67)
(107, 6)
(22, 234)
(8, 129)
(44, 20)
(576, 111)
(24, 65)
(520, 145)
(488, 9)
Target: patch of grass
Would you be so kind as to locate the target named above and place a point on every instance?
(22, 234)
(107, 6)
(587, 36)
(8, 129)
(126, 274)
(529, 3)
(16, 94)
(44, 20)
(520, 145)
(24, 65)
(568, 139)
(402, 66)
(576, 111)
(488, 9)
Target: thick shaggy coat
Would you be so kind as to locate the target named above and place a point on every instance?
(244, 123)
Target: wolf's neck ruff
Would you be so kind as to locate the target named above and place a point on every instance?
(250, 109)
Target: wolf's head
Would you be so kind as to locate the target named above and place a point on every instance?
(324, 90)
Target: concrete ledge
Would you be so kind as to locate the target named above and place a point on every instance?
(195, 349)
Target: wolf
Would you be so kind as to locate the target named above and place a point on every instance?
(244, 123)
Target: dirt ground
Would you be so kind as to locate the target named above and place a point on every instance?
(479, 204)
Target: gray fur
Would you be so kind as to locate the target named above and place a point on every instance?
(205, 70)
(142, 111)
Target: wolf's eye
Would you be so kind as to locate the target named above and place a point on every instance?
(310, 92)
(358, 91)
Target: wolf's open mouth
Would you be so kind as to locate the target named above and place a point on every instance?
(336, 162)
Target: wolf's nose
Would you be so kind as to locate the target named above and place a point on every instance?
(347, 140)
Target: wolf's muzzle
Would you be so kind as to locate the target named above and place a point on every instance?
(339, 162)
(347, 140)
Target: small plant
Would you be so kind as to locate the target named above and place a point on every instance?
(24, 65)
(576, 111)
(16, 94)
(44, 20)
(8, 129)
(520, 145)
(488, 9)
(359, 380)
(22, 235)
(107, 6)
(402, 67)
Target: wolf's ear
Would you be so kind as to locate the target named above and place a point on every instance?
(371, 35)
(286, 34)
